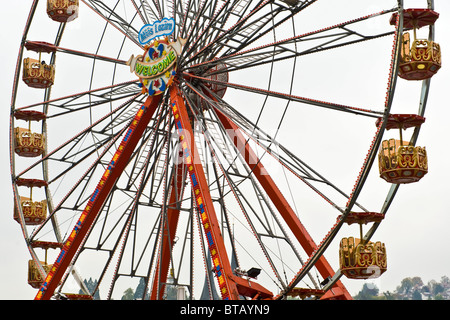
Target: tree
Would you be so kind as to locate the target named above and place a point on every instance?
(411, 288)
(389, 296)
(91, 285)
(417, 281)
(128, 294)
(139, 294)
(171, 292)
(368, 292)
(416, 295)
(438, 289)
(405, 286)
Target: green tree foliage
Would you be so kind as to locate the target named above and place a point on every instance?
(416, 295)
(411, 288)
(139, 294)
(405, 286)
(128, 294)
(91, 285)
(369, 292)
(437, 289)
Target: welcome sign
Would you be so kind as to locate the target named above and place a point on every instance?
(162, 28)
(157, 67)
(153, 69)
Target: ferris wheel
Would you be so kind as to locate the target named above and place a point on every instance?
(214, 149)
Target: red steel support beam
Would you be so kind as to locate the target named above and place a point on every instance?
(279, 201)
(231, 286)
(101, 192)
(203, 200)
(170, 223)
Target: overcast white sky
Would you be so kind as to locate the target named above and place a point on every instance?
(416, 232)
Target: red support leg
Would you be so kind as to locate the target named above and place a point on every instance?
(202, 197)
(104, 187)
(279, 201)
(231, 286)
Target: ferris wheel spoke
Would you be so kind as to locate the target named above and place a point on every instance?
(144, 11)
(323, 39)
(291, 162)
(183, 18)
(86, 100)
(224, 37)
(248, 29)
(289, 97)
(281, 154)
(90, 55)
(317, 254)
(236, 191)
(128, 223)
(202, 24)
(263, 215)
(159, 5)
(130, 236)
(364, 170)
(203, 198)
(47, 47)
(193, 23)
(108, 143)
(228, 180)
(141, 11)
(80, 156)
(66, 152)
(72, 158)
(230, 285)
(260, 26)
(191, 15)
(99, 196)
(281, 52)
(170, 223)
(147, 12)
(278, 199)
(112, 17)
(80, 188)
(175, 10)
(272, 191)
(214, 39)
(256, 134)
(151, 151)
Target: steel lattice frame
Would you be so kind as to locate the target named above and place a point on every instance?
(119, 188)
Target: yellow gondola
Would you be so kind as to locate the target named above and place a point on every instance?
(63, 10)
(420, 58)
